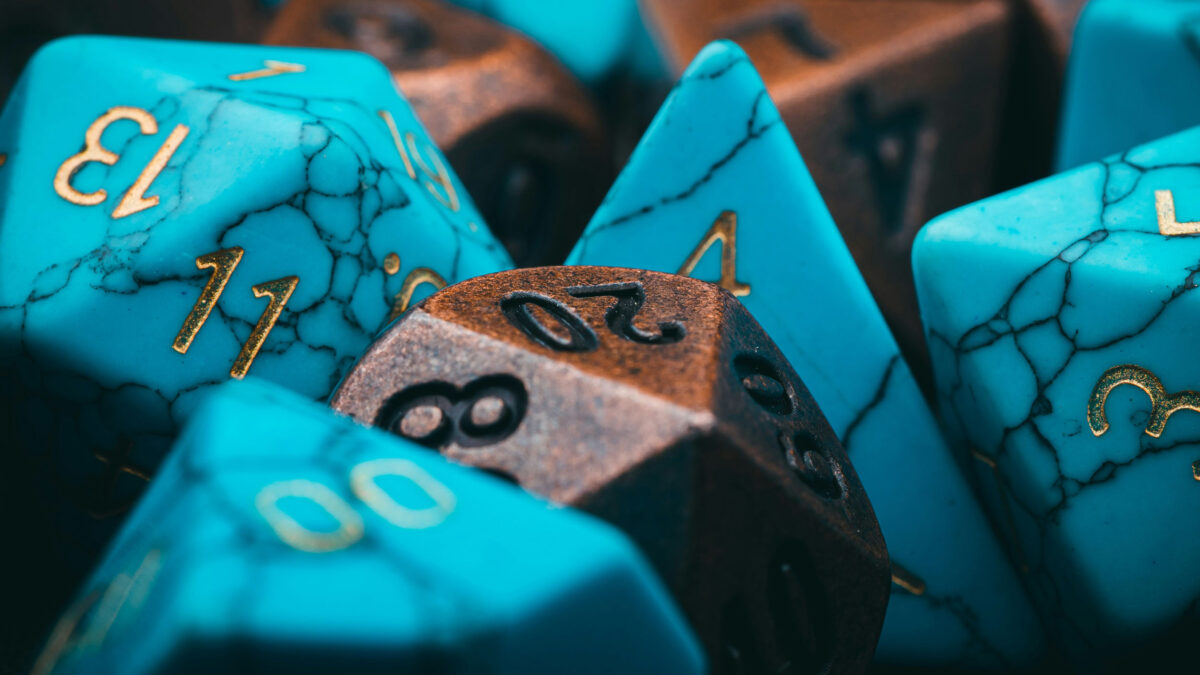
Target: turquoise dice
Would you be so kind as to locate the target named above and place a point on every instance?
(1130, 77)
(173, 215)
(716, 190)
(1061, 318)
(279, 537)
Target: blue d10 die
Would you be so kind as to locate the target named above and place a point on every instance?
(281, 537)
(176, 214)
(717, 190)
(1129, 78)
(1041, 305)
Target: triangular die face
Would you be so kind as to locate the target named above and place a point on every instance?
(718, 146)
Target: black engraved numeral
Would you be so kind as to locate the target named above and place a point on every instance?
(385, 28)
(630, 297)
(435, 414)
(811, 464)
(580, 337)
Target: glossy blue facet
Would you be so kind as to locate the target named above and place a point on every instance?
(1029, 298)
(1130, 76)
(717, 146)
(279, 537)
(284, 154)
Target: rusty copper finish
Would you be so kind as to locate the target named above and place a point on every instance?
(893, 105)
(658, 403)
(521, 133)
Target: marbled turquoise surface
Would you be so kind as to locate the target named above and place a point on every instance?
(593, 38)
(298, 169)
(280, 536)
(718, 145)
(1029, 297)
(1131, 79)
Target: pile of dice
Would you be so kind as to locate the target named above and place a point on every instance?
(415, 385)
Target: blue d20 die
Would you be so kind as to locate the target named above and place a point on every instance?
(279, 536)
(175, 214)
(1128, 79)
(1040, 305)
(717, 190)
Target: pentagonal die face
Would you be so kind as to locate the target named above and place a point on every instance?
(173, 215)
(656, 402)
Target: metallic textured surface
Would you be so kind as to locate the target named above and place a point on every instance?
(893, 105)
(656, 402)
(522, 134)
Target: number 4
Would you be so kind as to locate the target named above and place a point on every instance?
(724, 230)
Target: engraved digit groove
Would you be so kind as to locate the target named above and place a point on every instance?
(391, 125)
(420, 275)
(724, 229)
(1162, 406)
(272, 68)
(1164, 206)
(350, 524)
(580, 338)
(222, 263)
(629, 299)
(363, 482)
(94, 151)
(280, 291)
(134, 199)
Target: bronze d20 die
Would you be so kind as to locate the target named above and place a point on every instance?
(657, 402)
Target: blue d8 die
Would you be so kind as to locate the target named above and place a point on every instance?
(717, 190)
(1131, 77)
(1041, 304)
(281, 537)
(176, 214)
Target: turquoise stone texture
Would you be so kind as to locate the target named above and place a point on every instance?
(175, 214)
(1130, 78)
(717, 189)
(280, 537)
(1062, 319)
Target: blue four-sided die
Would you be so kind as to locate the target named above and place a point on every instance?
(279, 537)
(176, 214)
(717, 190)
(1062, 319)
(1131, 77)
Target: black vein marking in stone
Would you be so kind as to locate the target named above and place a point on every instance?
(755, 129)
(955, 392)
(978, 648)
(878, 397)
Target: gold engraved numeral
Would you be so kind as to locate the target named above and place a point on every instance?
(905, 579)
(280, 291)
(363, 481)
(724, 230)
(1162, 406)
(94, 151)
(296, 535)
(222, 263)
(438, 176)
(272, 69)
(420, 275)
(1164, 204)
